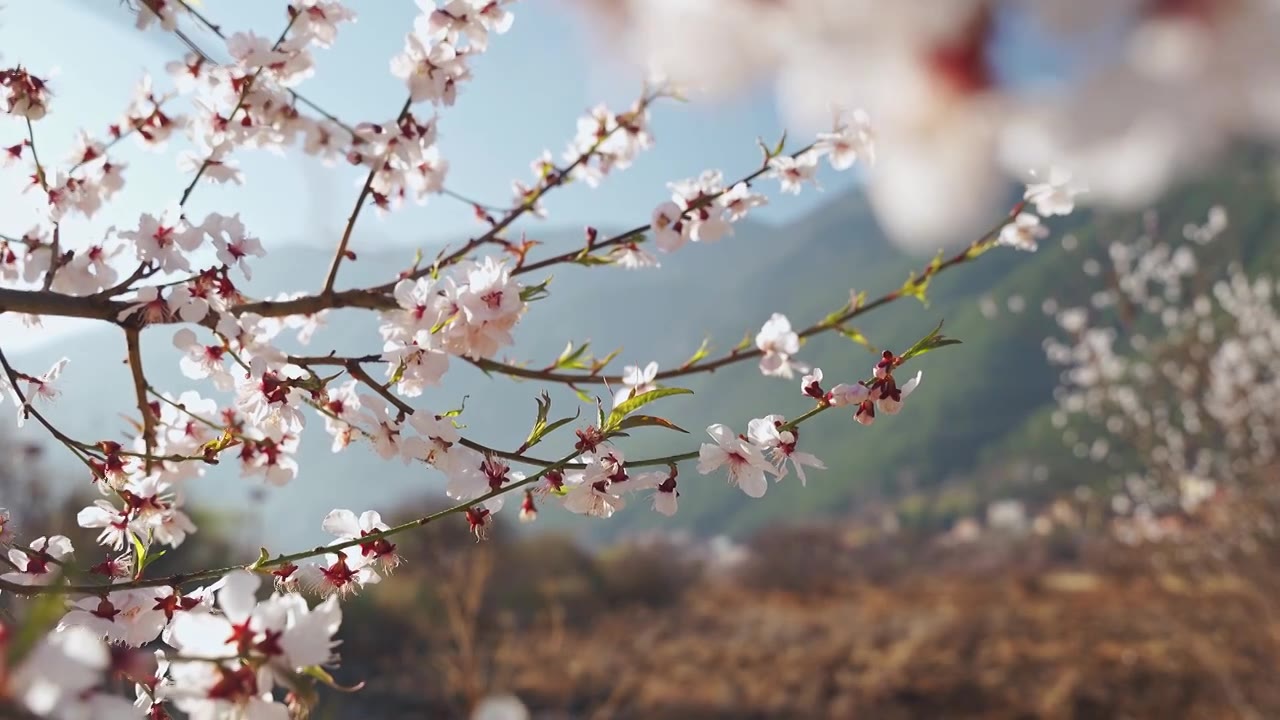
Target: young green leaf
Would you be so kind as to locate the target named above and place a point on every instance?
(456, 411)
(918, 287)
(979, 248)
(152, 557)
(535, 292)
(928, 343)
(703, 351)
(782, 143)
(833, 318)
(443, 323)
(585, 258)
(571, 358)
(323, 676)
(598, 365)
(398, 375)
(635, 421)
(139, 553)
(856, 336)
(263, 558)
(629, 406)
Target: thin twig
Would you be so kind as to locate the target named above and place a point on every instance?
(244, 95)
(28, 410)
(367, 188)
(140, 392)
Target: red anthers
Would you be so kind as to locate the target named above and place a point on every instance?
(478, 522)
(378, 548)
(113, 567)
(496, 471)
(528, 511)
(339, 574)
(170, 604)
(235, 685)
(814, 389)
(589, 438)
(28, 94)
(285, 572)
(269, 645)
(38, 560)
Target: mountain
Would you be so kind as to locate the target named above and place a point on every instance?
(982, 403)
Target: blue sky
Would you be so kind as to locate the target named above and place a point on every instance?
(529, 91)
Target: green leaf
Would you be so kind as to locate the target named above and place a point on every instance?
(979, 248)
(703, 351)
(782, 142)
(929, 343)
(833, 318)
(589, 260)
(139, 553)
(571, 358)
(535, 292)
(263, 558)
(539, 422)
(635, 421)
(856, 336)
(746, 343)
(445, 323)
(398, 375)
(918, 287)
(582, 395)
(598, 365)
(152, 557)
(457, 411)
(323, 676)
(599, 413)
(629, 406)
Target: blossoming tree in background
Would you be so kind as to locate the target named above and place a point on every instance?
(1172, 375)
(254, 640)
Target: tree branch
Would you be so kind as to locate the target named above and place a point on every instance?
(282, 560)
(140, 392)
(341, 252)
(244, 94)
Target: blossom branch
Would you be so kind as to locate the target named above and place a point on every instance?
(361, 200)
(244, 95)
(354, 370)
(634, 233)
(263, 564)
(735, 356)
(28, 411)
(131, 335)
(555, 178)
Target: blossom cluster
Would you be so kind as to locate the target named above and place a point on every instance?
(702, 209)
(227, 650)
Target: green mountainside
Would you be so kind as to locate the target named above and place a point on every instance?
(981, 404)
